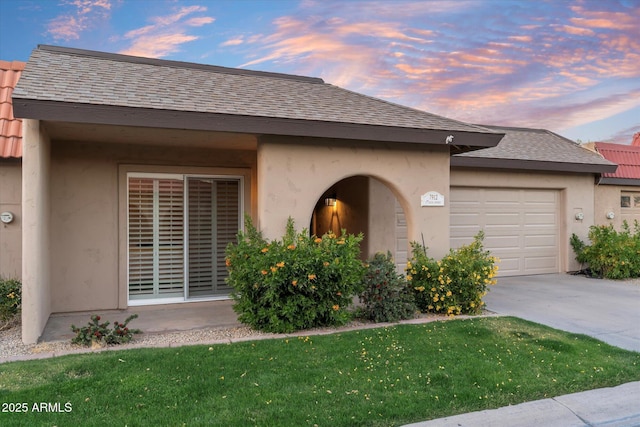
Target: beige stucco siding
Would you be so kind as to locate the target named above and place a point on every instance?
(293, 173)
(11, 234)
(576, 196)
(607, 200)
(88, 219)
(36, 223)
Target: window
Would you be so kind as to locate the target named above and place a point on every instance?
(630, 200)
(178, 229)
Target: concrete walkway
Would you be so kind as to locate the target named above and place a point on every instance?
(610, 407)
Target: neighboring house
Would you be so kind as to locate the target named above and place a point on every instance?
(617, 196)
(137, 173)
(10, 174)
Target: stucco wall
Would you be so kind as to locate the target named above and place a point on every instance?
(11, 234)
(88, 219)
(294, 172)
(607, 199)
(576, 195)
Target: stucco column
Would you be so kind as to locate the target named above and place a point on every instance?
(36, 295)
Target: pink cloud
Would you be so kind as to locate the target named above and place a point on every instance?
(166, 33)
(83, 15)
(233, 42)
(578, 31)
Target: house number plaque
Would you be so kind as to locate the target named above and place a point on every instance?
(432, 198)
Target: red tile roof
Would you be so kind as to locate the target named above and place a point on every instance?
(626, 156)
(10, 127)
(636, 140)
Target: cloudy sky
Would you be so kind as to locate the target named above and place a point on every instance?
(570, 66)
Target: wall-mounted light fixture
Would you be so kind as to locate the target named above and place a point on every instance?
(610, 215)
(331, 200)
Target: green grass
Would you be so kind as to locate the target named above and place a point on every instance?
(383, 376)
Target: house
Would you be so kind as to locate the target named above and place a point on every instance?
(617, 194)
(137, 173)
(10, 174)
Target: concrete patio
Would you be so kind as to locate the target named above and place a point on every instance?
(151, 318)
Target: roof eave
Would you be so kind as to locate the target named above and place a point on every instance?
(620, 181)
(501, 163)
(172, 119)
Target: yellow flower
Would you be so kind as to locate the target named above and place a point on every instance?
(340, 242)
(291, 247)
(318, 240)
(339, 294)
(264, 272)
(227, 262)
(312, 277)
(264, 250)
(419, 288)
(409, 277)
(436, 298)
(408, 264)
(326, 264)
(280, 264)
(274, 269)
(336, 307)
(448, 293)
(294, 283)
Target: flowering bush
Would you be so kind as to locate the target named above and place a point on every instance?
(612, 254)
(296, 283)
(96, 332)
(10, 300)
(386, 297)
(455, 284)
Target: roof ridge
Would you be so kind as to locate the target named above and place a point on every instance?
(176, 64)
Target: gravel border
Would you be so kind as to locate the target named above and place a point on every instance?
(12, 348)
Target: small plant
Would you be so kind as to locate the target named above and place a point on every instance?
(457, 283)
(612, 254)
(299, 282)
(10, 301)
(387, 297)
(101, 333)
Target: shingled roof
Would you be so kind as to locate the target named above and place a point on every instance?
(628, 159)
(10, 127)
(535, 149)
(83, 86)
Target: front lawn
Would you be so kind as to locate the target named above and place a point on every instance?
(384, 376)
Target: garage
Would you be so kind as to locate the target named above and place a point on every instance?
(521, 226)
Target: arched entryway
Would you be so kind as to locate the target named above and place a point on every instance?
(363, 204)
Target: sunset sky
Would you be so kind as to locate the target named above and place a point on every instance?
(569, 66)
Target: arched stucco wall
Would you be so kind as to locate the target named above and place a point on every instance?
(294, 172)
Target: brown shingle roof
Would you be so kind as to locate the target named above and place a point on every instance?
(535, 149)
(10, 127)
(88, 78)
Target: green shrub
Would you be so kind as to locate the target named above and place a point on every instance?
(386, 297)
(96, 332)
(296, 283)
(457, 283)
(10, 299)
(611, 254)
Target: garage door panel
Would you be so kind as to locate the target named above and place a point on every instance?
(502, 218)
(540, 241)
(539, 218)
(540, 264)
(521, 226)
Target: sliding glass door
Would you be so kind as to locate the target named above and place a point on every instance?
(178, 229)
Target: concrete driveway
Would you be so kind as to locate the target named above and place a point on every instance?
(604, 309)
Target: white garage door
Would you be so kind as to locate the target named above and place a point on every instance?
(521, 226)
